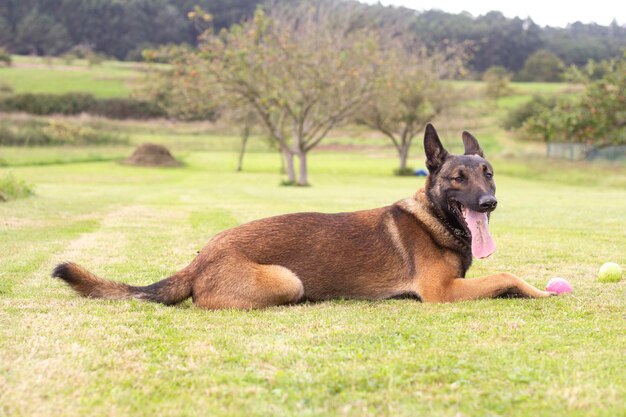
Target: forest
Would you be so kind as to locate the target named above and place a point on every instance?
(122, 29)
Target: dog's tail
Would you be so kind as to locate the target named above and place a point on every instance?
(169, 291)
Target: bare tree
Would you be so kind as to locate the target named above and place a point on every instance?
(410, 92)
(244, 118)
(303, 70)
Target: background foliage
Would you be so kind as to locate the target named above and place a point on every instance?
(122, 29)
(597, 117)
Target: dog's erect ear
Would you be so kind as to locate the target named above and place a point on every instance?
(435, 152)
(471, 145)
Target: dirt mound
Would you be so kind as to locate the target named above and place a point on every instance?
(151, 155)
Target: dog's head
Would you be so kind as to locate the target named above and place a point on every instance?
(461, 189)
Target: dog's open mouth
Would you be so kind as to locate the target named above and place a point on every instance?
(477, 225)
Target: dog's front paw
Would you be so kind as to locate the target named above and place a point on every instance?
(544, 294)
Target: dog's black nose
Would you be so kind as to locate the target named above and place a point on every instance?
(487, 203)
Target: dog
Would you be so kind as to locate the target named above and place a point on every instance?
(420, 247)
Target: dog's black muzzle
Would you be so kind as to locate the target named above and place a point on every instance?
(487, 203)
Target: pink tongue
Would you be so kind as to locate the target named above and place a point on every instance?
(482, 244)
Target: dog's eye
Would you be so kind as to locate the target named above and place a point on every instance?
(488, 175)
(459, 179)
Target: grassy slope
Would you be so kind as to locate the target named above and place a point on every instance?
(34, 75)
(62, 355)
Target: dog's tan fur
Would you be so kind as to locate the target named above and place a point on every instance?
(396, 251)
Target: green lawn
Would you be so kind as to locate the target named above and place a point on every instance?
(67, 356)
(38, 75)
(473, 94)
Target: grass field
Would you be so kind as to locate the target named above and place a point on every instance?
(67, 356)
(54, 76)
(117, 79)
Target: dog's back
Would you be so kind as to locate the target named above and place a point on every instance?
(421, 247)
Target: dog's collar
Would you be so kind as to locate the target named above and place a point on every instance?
(442, 231)
(460, 233)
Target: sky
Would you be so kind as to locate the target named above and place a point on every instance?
(544, 13)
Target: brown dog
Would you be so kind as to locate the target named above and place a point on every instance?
(419, 247)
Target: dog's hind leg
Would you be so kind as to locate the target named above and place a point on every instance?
(247, 285)
(490, 287)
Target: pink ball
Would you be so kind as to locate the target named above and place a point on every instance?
(559, 286)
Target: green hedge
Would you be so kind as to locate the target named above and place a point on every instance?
(76, 103)
(55, 132)
(126, 108)
(44, 104)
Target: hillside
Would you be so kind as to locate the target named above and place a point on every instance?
(122, 29)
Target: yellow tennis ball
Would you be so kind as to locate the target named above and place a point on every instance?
(610, 272)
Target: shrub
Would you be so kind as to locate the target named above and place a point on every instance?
(136, 54)
(86, 52)
(61, 132)
(5, 90)
(68, 58)
(542, 66)
(12, 188)
(95, 59)
(517, 116)
(81, 50)
(76, 103)
(126, 108)
(36, 133)
(597, 117)
(27, 135)
(46, 104)
(404, 172)
(497, 80)
(5, 57)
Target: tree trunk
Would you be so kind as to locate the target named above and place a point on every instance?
(282, 163)
(303, 178)
(245, 134)
(289, 166)
(404, 156)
